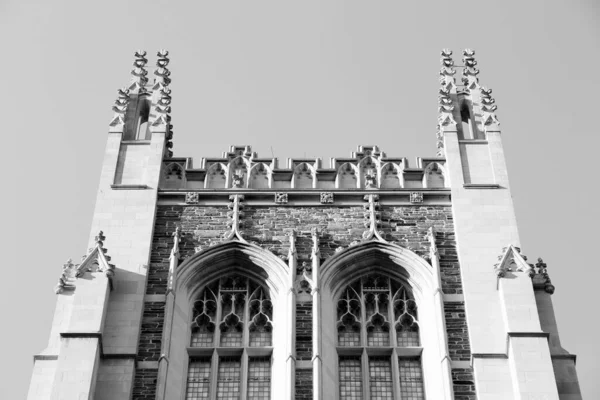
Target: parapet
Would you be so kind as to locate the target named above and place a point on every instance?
(240, 168)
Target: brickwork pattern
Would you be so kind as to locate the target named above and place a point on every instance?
(144, 384)
(304, 384)
(151, 332)
(268, 226)
(457, 331)
(304, 331)
(464, 384)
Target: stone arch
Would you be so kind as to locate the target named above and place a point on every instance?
(138, 127)
(238, 166)
(304, 176)
(347, 176)
(260, 176)
(390, 176)
(434, 176)
(216, 176)
(173, 176)
(366, 167)
(205, 267)
(397, 263)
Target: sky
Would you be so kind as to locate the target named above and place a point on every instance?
(295, 79)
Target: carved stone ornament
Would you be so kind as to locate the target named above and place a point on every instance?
(281, 198)
(512, 261)
(95, 261)
(326, 197)
(416, 197)
(488, 109)
(470, 71)
(236, 214)
(543, 277)
(373, 219)
(120, 108)
(447, 71)
(191, 198)
(162, 72)
(139, 73)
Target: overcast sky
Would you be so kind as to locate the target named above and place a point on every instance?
(309, 78)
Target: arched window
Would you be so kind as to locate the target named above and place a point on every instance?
(378, 341)
(231, 338)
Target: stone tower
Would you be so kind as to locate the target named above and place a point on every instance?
(241, 279)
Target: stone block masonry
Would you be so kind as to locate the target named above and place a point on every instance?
(144, 384)
(464, 384)
(457, 331)
(151, 332)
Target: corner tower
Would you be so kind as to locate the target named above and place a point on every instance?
(514, 340)
(94, 338)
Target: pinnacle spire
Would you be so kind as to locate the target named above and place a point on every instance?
(445, 102)
(139, 73)
(470, 72)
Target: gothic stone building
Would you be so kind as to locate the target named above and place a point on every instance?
(364, 279)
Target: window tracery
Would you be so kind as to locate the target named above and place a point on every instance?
(378, 332)
(230, 316)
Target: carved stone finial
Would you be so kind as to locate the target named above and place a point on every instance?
(162, 72)
(447, 89)
(447, 71)
(120, 108)
(370, 179)
(64, 279)
(139, 73)
(542, 270)
(470, 71)
(488, 109)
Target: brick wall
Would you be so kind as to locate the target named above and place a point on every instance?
(144, 384)
(304, 384)
(151, 332)
(304, 331)
(464, 384)
(457, 332)
(268, 227)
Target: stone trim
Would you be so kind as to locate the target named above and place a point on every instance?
(481, 186)
(129, 187)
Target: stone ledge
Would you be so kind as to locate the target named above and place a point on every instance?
(146, 142)
(481, 186)
(129, 187)
(45, 357)
(528, 334)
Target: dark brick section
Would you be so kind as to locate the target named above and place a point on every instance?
(304, 384)
(464, 384)
(151, 333)
(202, 226)
(456, 328)
(144, 384)
(304, 331)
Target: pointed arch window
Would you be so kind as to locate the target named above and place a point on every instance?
(378, 341)
(231, 338)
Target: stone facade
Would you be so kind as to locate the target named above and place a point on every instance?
(304, 282)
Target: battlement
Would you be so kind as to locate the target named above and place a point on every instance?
(367, 168)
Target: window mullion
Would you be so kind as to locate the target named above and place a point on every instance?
(246, 319)
(363, 317)
(365, 375)
(391, 316)
(244, 375)
(396, 374)
(214, 364)
(218, 317)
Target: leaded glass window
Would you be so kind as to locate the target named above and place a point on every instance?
(378, 341)
(231, 316)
